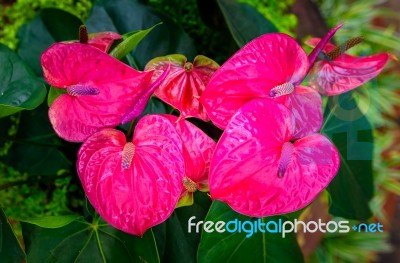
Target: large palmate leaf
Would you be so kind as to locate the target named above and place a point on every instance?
(19, 88)
(127, 15)
(350, 131)
(174, 242)
(244, 21)
(10, 250)
(34, 147)
(82, 241)
(236, 247)
(49, 26)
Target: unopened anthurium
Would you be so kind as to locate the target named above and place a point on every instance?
(100, 89)
(260, 170)
(186, 82)
(198, 148)
(101, 40)
(339, 72)
(270, 66)
(133, 185)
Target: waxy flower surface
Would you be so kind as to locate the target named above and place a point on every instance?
(99, 89)
(133, 185)
(185, 84)
(340, 72)
(260, 170)
(270, 66)
(198, 148)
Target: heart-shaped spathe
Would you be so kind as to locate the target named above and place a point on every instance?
(260, 171)
(133, 185)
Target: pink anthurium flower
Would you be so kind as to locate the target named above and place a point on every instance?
(100, 89)
(340, 72)
(198, 148)
(186, 82)
(270, 66)
(133, 185)
(259, 170)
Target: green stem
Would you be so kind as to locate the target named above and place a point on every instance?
(129, 134)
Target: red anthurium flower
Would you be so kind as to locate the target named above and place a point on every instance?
(186, 82)
(198, 148)
(100, 89)
(270, 66)
(133, 185)
(340, 72)
(259, 170)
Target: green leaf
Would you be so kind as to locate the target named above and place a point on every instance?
(127, 15)
(82, 241)
(348, 128)
(35, 148)
(154, 106)
(131, 40)
(174, 241)
(236, 247)
(10, 250)
(244, 21)
(49, 26)
(20, 89)
(52, 221)
(54, 93)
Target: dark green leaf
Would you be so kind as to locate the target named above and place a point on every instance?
(173, 236)
(244, 21)
(20, 89)
(154, 106)
(236, 247)
(127, 15)
(352, 188)
(35, 148)
(52, 221)
(54, 93)
(82, 241)
(49, 26)
(10, 250)
(131, 40)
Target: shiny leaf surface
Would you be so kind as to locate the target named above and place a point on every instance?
(20, 89)
(349, 129)
(82, 241)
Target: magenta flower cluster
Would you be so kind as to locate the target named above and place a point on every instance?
(269, 160)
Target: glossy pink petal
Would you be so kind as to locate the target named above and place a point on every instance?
(263, 64)
(81, 69)
(198, 148)
(185, 83)
(306, 107)
(103, 40)
(133, 186)
(345, 72)
(259, 171)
